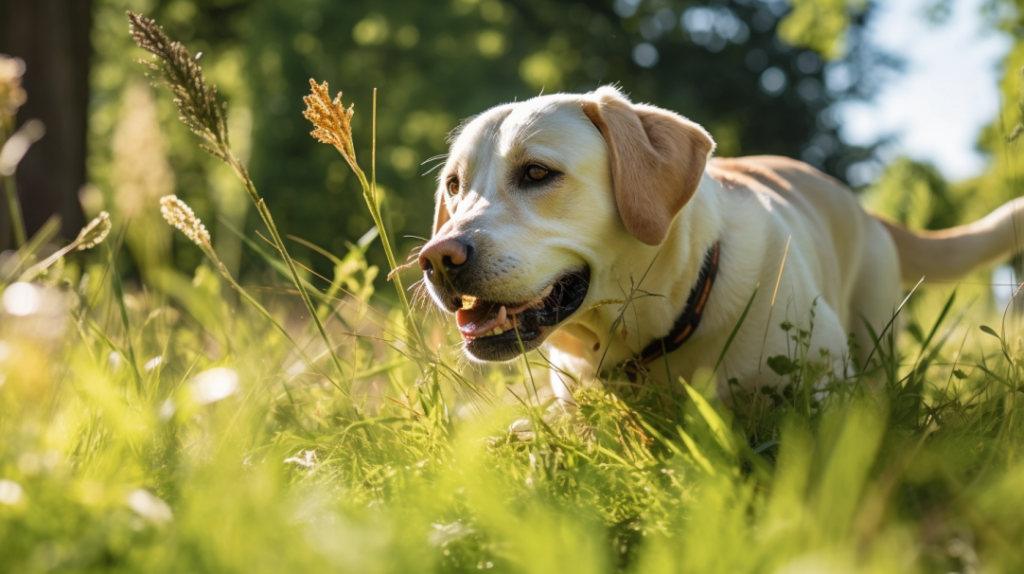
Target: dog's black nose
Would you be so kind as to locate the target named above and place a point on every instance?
(451, 255)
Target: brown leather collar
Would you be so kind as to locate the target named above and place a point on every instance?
(687, 322)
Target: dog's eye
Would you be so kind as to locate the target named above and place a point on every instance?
(453, 186)
(535, 173)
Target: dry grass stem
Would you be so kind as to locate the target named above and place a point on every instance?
(180, 215)
(205, 116)
(333, 125)
(94, 233)
(90, 236)
(196, 102)
(402, 267)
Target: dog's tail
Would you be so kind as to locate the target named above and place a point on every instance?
(949, 254)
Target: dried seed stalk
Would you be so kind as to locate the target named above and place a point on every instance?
(205, 116)
(332, 123)
(180, 215)
(90, 236)
(196, 102)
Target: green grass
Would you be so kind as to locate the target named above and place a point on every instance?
(174, 428)
(105, 471)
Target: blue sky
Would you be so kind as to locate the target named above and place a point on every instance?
(947, 93)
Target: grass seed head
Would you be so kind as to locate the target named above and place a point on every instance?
(94, 233)
(12, 95)
(197, 103)
(332, 120)
(180, 215)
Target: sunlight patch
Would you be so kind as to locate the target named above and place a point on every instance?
(214, 385)
(21, 299)
(149, 506)
(153, 363)
(305, 459)
(10, 492)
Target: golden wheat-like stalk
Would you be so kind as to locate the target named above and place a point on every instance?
(331, 119)
(180, 215)
(332, 123)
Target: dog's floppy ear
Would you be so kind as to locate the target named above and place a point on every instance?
(657, 159)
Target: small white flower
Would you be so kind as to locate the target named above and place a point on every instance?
(214, 385)
(153, 363)
(29, 463)
(21, 299)
(305, 459)
(10, 492)
(443, 534)
(167, 410)
(149, 506)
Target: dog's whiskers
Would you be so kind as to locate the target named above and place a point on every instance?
(439, 159)
(435, 158)
(416, 287)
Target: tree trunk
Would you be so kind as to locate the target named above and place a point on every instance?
(52, 37)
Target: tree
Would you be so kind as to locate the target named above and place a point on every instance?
(52, 37)
(722, 65)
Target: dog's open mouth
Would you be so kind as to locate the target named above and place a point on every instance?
(493, 330)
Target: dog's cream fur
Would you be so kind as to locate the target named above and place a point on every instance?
(640, 202)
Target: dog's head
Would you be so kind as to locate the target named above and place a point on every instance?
(538, 198)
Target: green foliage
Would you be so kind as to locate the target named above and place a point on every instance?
(143, 436)
(915, 194)
(226, 457)
(821, 25)
(175, 430)
(1001, 181)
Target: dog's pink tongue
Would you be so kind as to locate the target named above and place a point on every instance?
(474, 322)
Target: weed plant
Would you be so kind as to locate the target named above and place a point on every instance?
(177, 432)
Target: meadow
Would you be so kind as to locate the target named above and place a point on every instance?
(329, 424)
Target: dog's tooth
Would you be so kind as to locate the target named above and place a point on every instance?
(497, 330)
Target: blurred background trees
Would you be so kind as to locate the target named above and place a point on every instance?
(763, 76)
(52, 38)
(723, 64)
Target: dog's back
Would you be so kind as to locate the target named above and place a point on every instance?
(941, 255)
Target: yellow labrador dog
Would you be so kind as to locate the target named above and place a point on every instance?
(605, 231)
